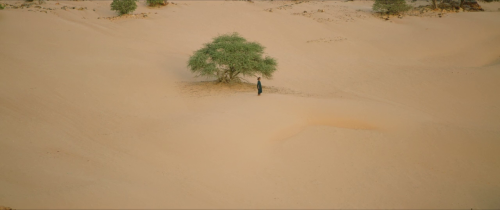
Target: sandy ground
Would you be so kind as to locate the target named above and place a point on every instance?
(362, 112)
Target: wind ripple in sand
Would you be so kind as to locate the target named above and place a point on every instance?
(332, 122)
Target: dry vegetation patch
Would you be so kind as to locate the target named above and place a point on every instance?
(328, 40)
(31, 6)
(323, 11)
(37, 7)
(127, 16)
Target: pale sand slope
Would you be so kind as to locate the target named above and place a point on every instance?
(402, 114)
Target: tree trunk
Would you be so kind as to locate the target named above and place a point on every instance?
(461, 3)
(434, 4)
(231, 73)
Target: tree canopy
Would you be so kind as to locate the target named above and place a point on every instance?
(229, 57)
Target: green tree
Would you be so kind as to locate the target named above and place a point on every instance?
(229, 57)
(153, 3)
(124, 6)
(1, 6)
(391, 6)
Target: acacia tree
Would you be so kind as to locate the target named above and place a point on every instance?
(229, 57)
(391, 6)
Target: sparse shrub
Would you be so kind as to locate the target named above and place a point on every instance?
(391, 6)
(1, 6)
(153, 3)
(229, 57)
(124, 6)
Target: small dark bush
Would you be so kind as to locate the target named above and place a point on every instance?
(124, 6)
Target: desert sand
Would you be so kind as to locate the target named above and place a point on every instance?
(99, 112)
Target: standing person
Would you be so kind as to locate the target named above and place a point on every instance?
(259, 86)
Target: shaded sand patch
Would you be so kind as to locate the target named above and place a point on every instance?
(211, 88)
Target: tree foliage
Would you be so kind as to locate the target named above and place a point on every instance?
(124, 6)
(229, 57)
(391, 6)
(1, 6)
(153, 3)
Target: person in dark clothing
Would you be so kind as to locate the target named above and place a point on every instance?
(259, 86)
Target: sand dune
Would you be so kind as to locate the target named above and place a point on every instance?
(362, 112)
